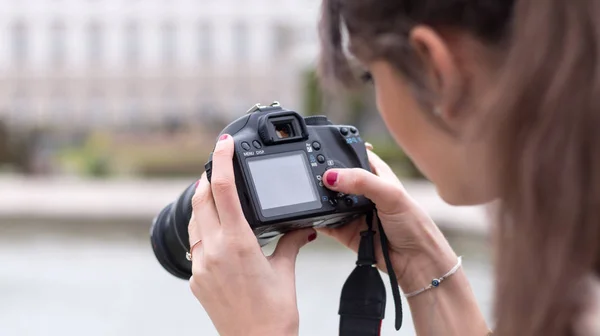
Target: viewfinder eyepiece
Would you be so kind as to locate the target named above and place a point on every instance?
(284, 129)
(278, 128)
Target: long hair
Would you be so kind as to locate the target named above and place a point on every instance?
(545, 114)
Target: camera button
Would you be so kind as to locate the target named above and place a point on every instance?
(245, 145)
(256, 144)
(321, 159)
(333, 202)
(349, 201)
(353, 130)
(344, 131)
(316, 145)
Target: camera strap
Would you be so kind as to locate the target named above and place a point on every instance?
(363, 299)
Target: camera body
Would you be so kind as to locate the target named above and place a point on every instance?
(279, 161)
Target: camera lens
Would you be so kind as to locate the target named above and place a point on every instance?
(169, 235)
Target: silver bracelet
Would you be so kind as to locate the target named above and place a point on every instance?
(436, 282)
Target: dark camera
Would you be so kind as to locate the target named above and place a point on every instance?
(279, 160)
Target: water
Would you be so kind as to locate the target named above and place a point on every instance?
(102, 279)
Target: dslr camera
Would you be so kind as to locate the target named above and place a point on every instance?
(279, 160)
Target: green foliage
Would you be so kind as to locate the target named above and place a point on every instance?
(98, 167)
(389, 152)
(169, 160)
(91, 159)
(356, 107)
(313, 95)
(147, 156)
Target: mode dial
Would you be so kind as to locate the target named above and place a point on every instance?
(318, 120)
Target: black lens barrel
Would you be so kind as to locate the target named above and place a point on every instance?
(169, 235)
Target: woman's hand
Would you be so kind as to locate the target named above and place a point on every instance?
(418, 250)
(243, 292)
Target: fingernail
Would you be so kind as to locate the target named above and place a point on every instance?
(331, 178)
(312, 237)
(197, 184)
(223, 137)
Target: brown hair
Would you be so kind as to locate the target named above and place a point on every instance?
(545, 110)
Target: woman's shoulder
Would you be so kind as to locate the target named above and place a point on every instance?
(588, 323)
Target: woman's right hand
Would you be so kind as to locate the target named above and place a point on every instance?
(418, 250)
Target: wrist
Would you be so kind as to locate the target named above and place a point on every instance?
(419, 269)
(283, 329)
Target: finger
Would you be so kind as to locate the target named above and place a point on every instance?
(223, 185)
(194, 231)
(195, 236)
(348, 235)
(389, 197)
(204, 213)
(284, 256)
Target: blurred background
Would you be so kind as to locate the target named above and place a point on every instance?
(108, 110)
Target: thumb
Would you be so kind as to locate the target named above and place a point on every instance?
(389, 197)
(288, 247)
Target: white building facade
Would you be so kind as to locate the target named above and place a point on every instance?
(104, 63)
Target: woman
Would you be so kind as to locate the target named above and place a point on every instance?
(492, 99)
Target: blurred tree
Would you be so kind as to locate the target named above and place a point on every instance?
(4, 138)
(313, 95)
(99, 167)
(357, 108)
(23, 151)
(387, 149)
(98, 148)
(17, 148)
(173, 124)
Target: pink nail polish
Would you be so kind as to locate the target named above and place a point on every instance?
(312, 236)
(223, 137)
(331, 178)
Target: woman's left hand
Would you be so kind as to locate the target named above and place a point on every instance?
(243, 292)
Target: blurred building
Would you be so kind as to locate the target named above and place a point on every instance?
(127, 63)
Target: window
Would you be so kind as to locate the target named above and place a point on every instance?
(240, 41)
(20, 108)
(57, 42)
(205, 42)
(95, 43)
(20, 43)
(59, 106)
(169, 42)
(132, 43)
(283, 39)
(170, 101)
(133, 108)
(96, 111)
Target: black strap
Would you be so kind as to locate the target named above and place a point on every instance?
(356, 326)
(363, 299)
(390, 269)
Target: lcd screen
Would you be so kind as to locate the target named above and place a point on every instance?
(283, 180)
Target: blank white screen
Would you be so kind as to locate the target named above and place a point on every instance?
(282, 181)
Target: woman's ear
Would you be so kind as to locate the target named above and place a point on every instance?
(443, 76)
